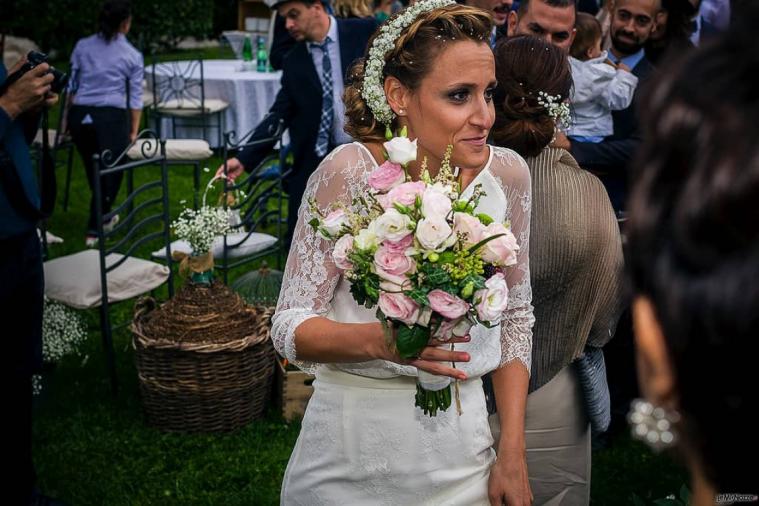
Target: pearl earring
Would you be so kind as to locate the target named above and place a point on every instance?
(401, 112)
(653, 425)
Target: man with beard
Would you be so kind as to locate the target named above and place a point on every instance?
(499, 9)
(632, 23)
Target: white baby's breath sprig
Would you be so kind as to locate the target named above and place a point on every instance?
(373, 90)
(200, 228)
(63, 332)
(557, 109)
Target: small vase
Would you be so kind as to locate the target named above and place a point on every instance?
(202, 278)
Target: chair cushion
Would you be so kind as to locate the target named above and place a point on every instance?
(176, 149)
(175, 107)
(255, 243)
(51, 135)
(74, 279)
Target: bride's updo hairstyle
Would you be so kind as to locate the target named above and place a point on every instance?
(524, 67)
(411, 59)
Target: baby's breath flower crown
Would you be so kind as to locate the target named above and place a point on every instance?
(373, 90)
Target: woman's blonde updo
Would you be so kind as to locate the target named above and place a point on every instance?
(525, 66)
(412, 59)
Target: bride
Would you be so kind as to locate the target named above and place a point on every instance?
(362, 440)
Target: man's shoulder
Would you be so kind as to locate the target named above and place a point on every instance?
(643, 69)
(364, 26)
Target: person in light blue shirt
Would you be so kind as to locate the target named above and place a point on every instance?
(106, 99)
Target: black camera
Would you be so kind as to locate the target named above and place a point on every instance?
(34, 58)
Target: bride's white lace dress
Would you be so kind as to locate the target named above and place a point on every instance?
(362, 440)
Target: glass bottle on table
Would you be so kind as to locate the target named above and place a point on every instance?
(247, 49)
(262, 59)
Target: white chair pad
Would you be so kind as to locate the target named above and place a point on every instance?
(175, 107)
(51, 135)
(74, 280)
(176, 149)
(255, 243)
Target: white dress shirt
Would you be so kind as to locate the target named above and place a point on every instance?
(599, 88)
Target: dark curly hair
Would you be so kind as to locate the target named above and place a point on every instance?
(525, 66)
(693, 246)
(412, 59)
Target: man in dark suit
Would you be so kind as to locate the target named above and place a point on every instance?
(314, 74)
(631, 24)
(22, 282)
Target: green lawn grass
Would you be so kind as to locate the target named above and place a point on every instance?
(92, 448)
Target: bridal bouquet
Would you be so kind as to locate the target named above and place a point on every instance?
(420, 252)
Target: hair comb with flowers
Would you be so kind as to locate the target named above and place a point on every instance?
(373, 90)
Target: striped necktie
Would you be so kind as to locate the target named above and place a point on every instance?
(325, 123)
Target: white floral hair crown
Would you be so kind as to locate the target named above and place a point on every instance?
(557, 109)
(373, 90)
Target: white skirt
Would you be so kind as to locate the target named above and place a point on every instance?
(364, 442)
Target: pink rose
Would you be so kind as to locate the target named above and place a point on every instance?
(435, 203)
(334, 221)
(386, 176)
(399, 246)
(397, 306)
(453, 328)
(501, 251)
(468, 226)
(343, 247)
(406, 193)
(392, 265)
(492, 300)
(447, 305)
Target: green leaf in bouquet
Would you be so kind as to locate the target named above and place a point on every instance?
(483, 242)
(371, 287)
(314, 222)
(447, 257)
(419, 295)
(411, 340)
(359, 294)
(478, 282)
(484, 219)
(460, 206)
(402, 209)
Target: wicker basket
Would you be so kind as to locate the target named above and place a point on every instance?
(189, 384)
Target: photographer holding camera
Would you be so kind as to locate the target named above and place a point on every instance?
(21, 275)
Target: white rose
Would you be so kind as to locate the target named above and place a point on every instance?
(502, 250)
(401, 150)
(434, 234)
(343, 247)
(334, 222)
(468, 226)
(393, 226)
(367, 238)
(435, 203)
(492, 300)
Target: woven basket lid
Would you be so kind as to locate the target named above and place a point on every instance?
(203, 318)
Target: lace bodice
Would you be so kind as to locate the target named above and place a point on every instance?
(313, 285)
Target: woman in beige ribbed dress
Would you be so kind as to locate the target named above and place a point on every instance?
(576, 262)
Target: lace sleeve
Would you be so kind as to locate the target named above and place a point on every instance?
(310, 275)
(517, 321)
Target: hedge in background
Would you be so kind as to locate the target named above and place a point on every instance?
(57, 25)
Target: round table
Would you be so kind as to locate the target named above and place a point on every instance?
(249, 94)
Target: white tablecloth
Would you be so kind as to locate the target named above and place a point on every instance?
(249, 94)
